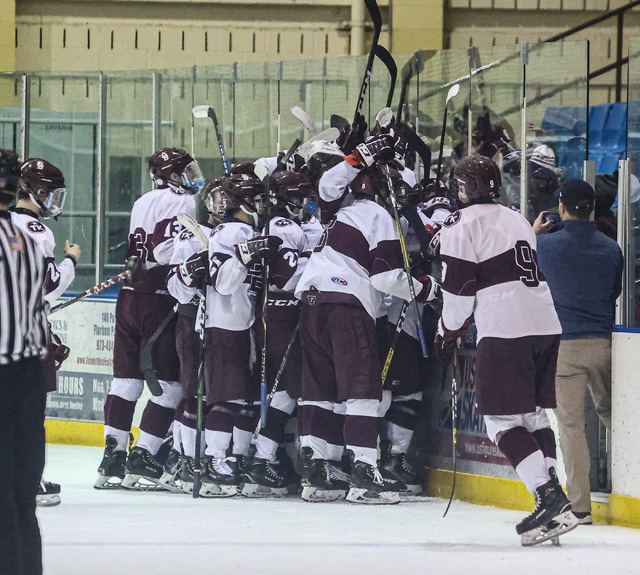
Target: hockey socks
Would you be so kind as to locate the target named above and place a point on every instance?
(525, 456)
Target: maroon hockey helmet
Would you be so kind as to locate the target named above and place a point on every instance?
(290, 190)
(476, 178)
(9, 175)
(169, 167)
(243, 192)
(43, 183)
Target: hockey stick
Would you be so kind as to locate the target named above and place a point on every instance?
(205, 111)
(452, 93)
(454, 429)
(306, 120)
(376, 18)
(387, 59)
(122, 276)
(189, 223)
(146, 360)
(338, 122)
(417, 144)
(265, 293)
(405, 262)
(276, 381)
(328, 135)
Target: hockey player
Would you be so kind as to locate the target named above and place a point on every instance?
(491, 274)
(357, 261)
(188, 345)
(41, 194)
(141, 308)
(289, 194)
(234, 273)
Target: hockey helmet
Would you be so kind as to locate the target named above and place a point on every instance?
(243, 192)
(43, 184)
(290, 190)
(476, 178)
(9, 175)
(320, 157)
(171, 167)
(212, 199)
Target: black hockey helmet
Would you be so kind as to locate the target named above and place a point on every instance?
(171, 167)
(476, 178)
(43, 184)
(9, 175)
(243, 192)
(290, 190)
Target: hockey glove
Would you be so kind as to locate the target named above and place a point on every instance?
(194, 269)
(430, 289)
(256, 249)
(376, 149)
(351, 136)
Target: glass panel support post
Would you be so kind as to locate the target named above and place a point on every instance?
(156, 135)
(25, 116)
(102, 173)
(625, 305)
(524, 196)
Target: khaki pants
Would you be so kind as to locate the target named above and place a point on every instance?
(582, 364)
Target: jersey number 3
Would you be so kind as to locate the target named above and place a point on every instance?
(527, 263)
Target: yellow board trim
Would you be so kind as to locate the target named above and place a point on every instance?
(511, 494)
(77, 432)
(478, 489)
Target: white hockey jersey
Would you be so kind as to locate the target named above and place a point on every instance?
(313, 230)
(293, 255)
(184, 246)
(59, 276)
(232, 294)
(490, 270)
(359, 256)
(333, 189)
(152, 229)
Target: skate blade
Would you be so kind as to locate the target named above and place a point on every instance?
(187, 487)
(213, 490)
(48, 500)
(567, 521)
(408, 498)
(415, 489)
(359, 495)
(133, 482)
(253, 490)
(317, 495)
(106, 483)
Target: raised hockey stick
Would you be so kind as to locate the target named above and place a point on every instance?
(265, 294)
(122, 276)
(376, 18)
(338, 122)
(387, 59)
(205, 111)
(454, 424)
(452, 93)
(276, 381)
(405, 260)
(328, 135)
(189, 223)
(305, 119)
(417, 144)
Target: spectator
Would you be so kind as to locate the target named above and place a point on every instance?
(583, 268)
(23, 344)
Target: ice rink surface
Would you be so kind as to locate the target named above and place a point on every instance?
(121, 533)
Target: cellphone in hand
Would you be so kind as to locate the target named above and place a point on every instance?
(555, 218)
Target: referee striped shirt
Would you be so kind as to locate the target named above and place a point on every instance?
(24, 330)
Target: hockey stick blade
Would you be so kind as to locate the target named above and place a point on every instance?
(387, 59)
(328, 135)
(201, 111)
(188, 222)
(452, 93)
(305, 119)
(376, 16)
(417, 144)
(338, 122)
(146, 358)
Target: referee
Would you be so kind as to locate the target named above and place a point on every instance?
(23, 344)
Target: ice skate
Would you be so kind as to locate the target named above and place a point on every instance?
(551, 517)
(261, 479)
(316, 484)
(187, 472)
(111, 468)
(143, 472)
(372, 486)
(171, 477)
(398, 467)
(48, 494)
(220, 478)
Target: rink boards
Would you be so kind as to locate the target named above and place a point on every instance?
(75, 413)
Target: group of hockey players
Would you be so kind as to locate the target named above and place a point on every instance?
(317, 272)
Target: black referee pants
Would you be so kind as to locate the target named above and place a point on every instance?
(22, 405)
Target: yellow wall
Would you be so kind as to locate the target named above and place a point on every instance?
(7, 35)
(416, 25)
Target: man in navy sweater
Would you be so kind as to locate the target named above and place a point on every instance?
(583, 268)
